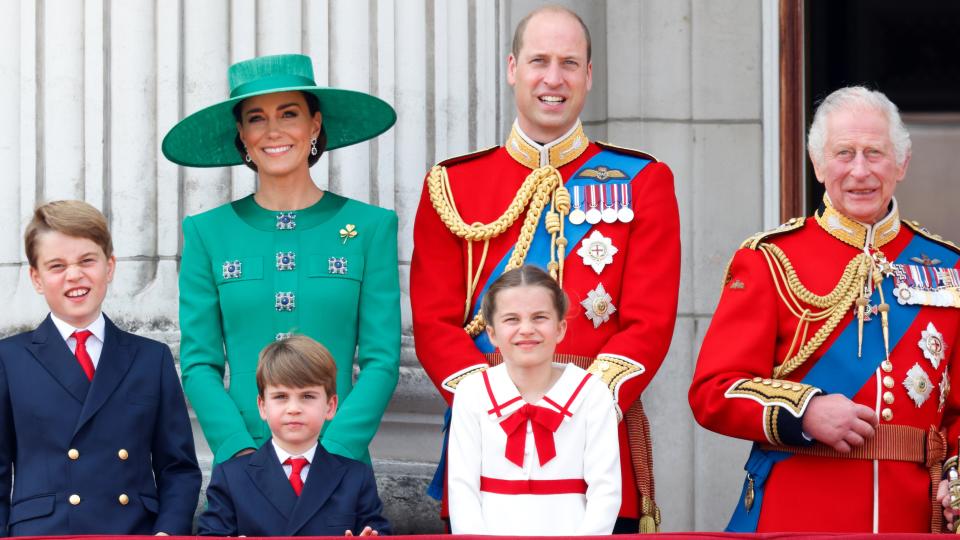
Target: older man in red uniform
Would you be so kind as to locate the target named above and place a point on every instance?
(602, 220)
(833, 345)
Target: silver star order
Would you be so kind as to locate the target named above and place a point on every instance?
(597, 251)
(931, 343)
(918, 385)
(599, 306)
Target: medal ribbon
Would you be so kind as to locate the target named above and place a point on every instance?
(839, 371)
(539, 252)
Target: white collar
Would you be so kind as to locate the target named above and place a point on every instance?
(564, 392)
(98, 327)
(283, 455)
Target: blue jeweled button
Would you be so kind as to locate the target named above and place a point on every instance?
(232, 270)
(337, 265)
(286, 260)
(285, 301)
(286, 221)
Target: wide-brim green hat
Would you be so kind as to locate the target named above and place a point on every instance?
(206, 137)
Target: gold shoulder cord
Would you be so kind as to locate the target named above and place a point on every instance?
(832, 306)
(541, 186)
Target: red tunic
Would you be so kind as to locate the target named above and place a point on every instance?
(752, 330)
(642, 280)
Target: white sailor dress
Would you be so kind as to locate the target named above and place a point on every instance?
(543, 469)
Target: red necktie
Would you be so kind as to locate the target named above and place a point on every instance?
(544, 421)
(82, 355)
(296, 464)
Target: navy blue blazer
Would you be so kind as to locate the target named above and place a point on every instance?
(110, 456)
(251, 495)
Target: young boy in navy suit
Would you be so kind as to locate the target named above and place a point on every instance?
(93, 422)
(291, 486)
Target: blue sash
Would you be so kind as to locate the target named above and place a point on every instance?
(839, 371)
(539, 251)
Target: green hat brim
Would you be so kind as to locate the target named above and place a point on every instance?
(206, 137)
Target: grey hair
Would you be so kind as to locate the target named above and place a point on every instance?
(853, 97)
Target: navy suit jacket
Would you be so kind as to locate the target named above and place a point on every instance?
(251, 495)
(110, 456)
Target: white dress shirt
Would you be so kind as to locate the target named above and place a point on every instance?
(94, 343)
(283, 456)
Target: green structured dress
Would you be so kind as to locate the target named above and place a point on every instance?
(251, 275)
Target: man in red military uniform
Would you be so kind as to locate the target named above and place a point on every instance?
(834, 344)
(602, 220)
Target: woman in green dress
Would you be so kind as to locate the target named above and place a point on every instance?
(290, 258)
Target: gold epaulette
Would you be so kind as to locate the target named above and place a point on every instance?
(791, 225)
(922, 231)
(630, 151)
(466, 157)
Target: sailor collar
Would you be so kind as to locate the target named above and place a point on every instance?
(504, 399)
(556, 153)
(854, 233)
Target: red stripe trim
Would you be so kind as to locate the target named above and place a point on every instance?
(557, 406)
(533, 487)
(566, 407)
(493, 401)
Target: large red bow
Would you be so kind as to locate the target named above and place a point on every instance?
(545, 422)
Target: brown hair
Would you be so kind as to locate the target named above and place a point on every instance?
(296, 362)
(72, 218)
(522, 27)
(524, 276)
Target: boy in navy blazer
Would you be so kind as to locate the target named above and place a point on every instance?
(291, 486)
(93, 423)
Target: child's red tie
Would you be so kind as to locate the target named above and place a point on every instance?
(296, 464)
(82, 355)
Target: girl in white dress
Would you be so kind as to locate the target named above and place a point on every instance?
(533, 444)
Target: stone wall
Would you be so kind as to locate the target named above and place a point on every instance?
(95, 85)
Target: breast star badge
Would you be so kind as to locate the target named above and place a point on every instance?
(918, 385)
(931, 343)
(597, 251)
(598, 305)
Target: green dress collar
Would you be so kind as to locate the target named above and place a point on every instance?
(262, 219)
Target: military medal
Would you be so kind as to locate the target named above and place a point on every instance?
(284, 301)
(625, 212)
(926, 285)
(918, 385)
(577, 215)
(609, 213)
(593, 204)
(931, 343)
(597, 251)
(232, 270)
(598, 305)
(286, 221)
(337, 265)
(286, 260)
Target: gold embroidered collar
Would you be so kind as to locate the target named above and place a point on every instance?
(557, 153)
(858, 235)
